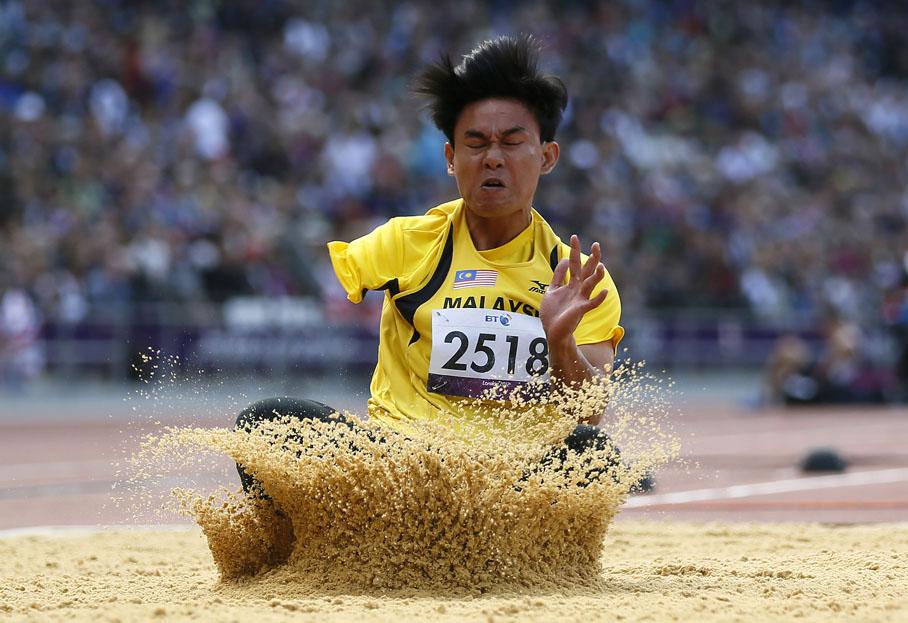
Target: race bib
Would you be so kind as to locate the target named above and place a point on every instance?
(478, 350)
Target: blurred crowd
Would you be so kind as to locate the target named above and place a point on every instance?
(738, 155)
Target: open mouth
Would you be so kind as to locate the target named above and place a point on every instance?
(493, 183)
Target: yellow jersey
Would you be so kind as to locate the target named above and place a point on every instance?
(457, 322)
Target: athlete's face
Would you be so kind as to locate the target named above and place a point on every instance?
(498, 157)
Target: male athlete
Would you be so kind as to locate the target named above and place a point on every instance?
(480, 294)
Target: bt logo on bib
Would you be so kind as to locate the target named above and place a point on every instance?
(502, 320)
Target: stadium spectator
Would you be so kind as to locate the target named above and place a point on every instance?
(895, 312)
(21, 357)
(739, 155)
(841, 374)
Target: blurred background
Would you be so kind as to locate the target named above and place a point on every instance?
(170, 172)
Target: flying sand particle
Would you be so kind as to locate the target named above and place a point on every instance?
(454, 502)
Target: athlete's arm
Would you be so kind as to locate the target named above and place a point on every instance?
(561, 311)
(583, 363)
(371, 262)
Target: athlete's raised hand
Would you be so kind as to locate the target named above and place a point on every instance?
(564, 304)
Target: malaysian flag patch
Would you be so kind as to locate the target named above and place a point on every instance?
(475, 279)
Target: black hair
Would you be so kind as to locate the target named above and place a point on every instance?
(506, 67)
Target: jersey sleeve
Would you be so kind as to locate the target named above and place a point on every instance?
(602, 323)
(372, 262)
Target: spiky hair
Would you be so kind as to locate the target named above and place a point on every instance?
(506, 67)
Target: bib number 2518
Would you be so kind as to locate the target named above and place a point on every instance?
(485, 352)
(484, 358)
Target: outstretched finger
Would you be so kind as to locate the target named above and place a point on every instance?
(588, 284)
(592, 262)
(595, 302)
(560, 273)
(575, 258)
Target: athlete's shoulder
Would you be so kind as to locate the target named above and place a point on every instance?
(421, 232)
(559, 248)
(544, 231)
(547, 240)
(435, 222)
(415, 239)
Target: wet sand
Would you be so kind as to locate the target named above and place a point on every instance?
(650, 571)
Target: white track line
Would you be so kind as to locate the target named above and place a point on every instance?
(59, 465)
(58, 531)
(679, 497)
(774, 486)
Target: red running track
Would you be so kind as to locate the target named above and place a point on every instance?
(738, 465)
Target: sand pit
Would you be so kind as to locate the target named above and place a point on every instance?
(471, 502)
(650, 571)
(423, 524)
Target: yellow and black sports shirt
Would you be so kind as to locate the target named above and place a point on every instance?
(455, 321)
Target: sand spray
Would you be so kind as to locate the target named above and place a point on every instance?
(459, 501)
